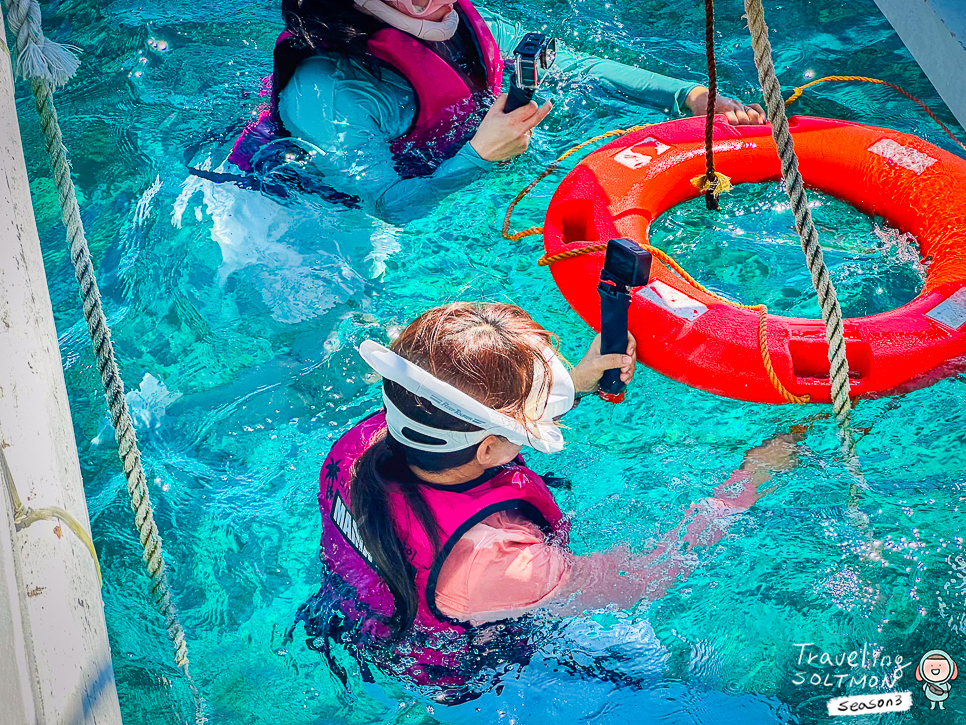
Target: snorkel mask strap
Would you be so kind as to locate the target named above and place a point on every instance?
(449, 440)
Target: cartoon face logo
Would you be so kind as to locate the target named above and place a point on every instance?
(936, 669)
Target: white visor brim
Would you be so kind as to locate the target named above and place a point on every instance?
(543, 434)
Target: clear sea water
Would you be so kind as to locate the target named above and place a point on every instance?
(235, 318)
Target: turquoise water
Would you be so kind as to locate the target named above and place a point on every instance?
(235, 319)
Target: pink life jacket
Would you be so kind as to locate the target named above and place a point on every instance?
(439, 650)
(449, 105)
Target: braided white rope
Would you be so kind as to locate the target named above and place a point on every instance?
(42, 62)
(831, 312)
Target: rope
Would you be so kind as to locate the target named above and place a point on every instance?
(831, 312)
(762, 310)
(801, 89)
(547, 259)
(23, 516)
(712, 184)
(35, 57)
(711, 191)
(100, 334)
(546, 172)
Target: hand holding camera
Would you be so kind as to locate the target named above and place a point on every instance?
(626, 265)
(532, 58)
(505, 131)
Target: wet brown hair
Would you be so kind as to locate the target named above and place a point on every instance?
(488, 351)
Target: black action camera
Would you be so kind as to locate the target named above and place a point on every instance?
(532, 58)
(626, 265)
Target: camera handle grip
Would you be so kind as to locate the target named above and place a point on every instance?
(516, 97)
(614, 303)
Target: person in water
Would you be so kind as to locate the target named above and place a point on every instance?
(404, 100)
(437, 538)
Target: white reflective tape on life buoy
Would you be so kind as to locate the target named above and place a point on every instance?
(674, 301)
(951, 312)
(905, 156)
(641, 154)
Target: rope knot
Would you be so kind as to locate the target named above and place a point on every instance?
(721, 184)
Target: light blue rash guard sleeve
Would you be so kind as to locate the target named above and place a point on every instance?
(639, 85)
(339, 106)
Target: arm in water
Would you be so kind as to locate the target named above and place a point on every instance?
(616, 577)
(642, 86)
(671, 95)
(335, 104)
(504, 568)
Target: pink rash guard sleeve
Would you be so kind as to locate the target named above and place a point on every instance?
(501, 568)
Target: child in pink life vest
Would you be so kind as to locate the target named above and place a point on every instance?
(436, 535)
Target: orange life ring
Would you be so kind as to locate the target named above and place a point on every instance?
(693, 337)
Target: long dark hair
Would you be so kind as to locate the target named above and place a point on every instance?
(487, 351)
(331, 26)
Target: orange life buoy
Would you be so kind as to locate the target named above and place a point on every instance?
(695, 338)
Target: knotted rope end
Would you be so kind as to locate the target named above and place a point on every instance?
(48, 61)
(721, 185)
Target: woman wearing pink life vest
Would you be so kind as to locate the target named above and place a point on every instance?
(401, 103)
(437, 538)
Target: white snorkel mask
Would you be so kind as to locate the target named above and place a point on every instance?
(542, 433)
(433, 30)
